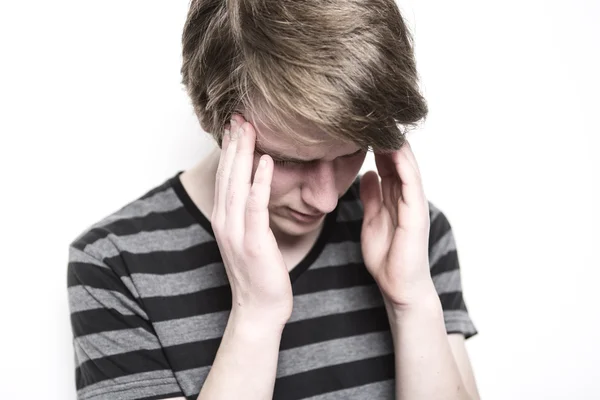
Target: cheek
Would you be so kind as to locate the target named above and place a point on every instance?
(284, 179)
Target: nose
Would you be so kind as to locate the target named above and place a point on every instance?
(319, 190)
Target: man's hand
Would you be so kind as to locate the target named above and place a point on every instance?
(395, 230)
(259, 279)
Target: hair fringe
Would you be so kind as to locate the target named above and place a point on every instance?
(345, 67)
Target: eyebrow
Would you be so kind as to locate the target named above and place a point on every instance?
(282, 157)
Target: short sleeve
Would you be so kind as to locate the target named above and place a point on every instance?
(117, 352)
(445, 272)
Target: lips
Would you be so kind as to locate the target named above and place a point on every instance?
(307, 215)
(302, 217)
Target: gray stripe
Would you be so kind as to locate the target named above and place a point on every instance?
(191, 380)
(160, 202)
(129, 284)
(76, 255)
(206, 277)
(383, 390)
(447, 282)
(336, 254)
(97, 345)
(192, 329)
(336, 301)
(214, 275)
(82, 298)
(351, 210)
(459, 320)
(146, 242)
(131, 386)
(333, 352)
(434, 212)
(442, 247)
(312, 305)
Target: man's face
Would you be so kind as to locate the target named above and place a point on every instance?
(308, 180)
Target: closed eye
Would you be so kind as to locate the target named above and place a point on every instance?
(307, 162)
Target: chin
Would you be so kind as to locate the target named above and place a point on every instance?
(289, 227)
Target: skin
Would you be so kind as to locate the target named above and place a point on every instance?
(310, 184)
(252, 221)
(306, 187)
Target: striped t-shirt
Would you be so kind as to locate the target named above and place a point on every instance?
(149, 301)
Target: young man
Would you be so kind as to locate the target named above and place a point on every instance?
(269, 270)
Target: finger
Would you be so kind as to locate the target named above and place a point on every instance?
(389, 180)
(257, 206)
(225, 173)
(370, 195)
(241, 172)
(385, 164)
(220, 172)
(411, 156)
(413, 194)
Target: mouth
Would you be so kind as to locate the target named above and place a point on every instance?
(305, 218)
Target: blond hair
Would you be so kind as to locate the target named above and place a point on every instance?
(346, 67)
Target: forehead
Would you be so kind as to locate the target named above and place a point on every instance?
(305, 141)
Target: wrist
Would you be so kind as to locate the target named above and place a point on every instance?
(423, 301)
(256, 323)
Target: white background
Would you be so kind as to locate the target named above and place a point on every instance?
(92, 115)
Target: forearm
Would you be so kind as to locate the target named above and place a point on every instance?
(425, 365)
(246, 362)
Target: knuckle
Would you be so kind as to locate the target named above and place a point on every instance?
(253, 204)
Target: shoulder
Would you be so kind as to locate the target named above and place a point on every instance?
(125, 228)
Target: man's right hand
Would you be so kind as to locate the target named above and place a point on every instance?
(260, 282)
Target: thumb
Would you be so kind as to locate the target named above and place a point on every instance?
(370, 195)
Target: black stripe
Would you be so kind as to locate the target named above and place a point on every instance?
(328, 278)
(315, 251)
(164, 262)
(190, 304)
(105, 319)
(88, 237)
(93, 276)
(295, 334)
(190, 206)
(329, 327)
(334, 378)
(162, 396)
(453, 301)
(219, 298)
(448, 262)
(194, 354)
(346, 231)
(167, 262)
(438, 228)
(154, 221)
(115, 366)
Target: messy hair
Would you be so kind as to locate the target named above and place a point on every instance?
(346, 67)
